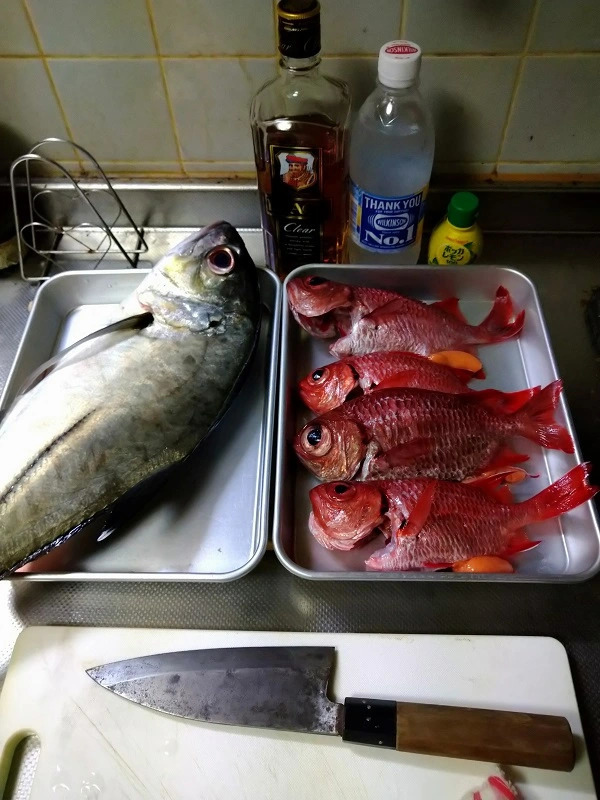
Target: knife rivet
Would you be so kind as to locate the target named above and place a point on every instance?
(368, 719)
(368, 708)
(380, 742)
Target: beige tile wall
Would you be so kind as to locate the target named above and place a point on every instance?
(164, 86)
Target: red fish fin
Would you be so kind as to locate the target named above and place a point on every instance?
(395, 306)
(399, 380)
(504, 457)
(493, 486)
(538, 423)
(504, 402)
(565, 494)
(465, 376)
(450, 306)
(519, 543)
(506, 475)
(459, 360)
(405, 453)
(435, 565)
(497, 326)
(420, 512)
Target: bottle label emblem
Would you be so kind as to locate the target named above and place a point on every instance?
(386, 224)
(296, 203)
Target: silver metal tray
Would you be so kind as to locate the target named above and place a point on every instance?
(570, 549)
(210, 523)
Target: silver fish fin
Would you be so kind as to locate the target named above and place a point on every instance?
(135, 322)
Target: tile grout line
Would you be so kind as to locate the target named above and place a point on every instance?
(163, 75)
(61, 109)
(517, 81)
(403, 18)
(250, 56)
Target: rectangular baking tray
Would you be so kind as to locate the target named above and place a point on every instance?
(570, 548)
(209, 523)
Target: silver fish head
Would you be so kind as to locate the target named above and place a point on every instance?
(202, 279)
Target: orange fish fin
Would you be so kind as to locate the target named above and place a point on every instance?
(493, 486)
(450, 306)
(404, 454)
(504, 402)
(505, 457)
(399, 380)
(519, 543)
(483, 564)
(459, 360)
(420, 511)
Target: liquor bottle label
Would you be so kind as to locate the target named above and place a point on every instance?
(296, 203)
(386, 224)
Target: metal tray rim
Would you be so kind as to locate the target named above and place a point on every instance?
(309, 574)
(267, 445)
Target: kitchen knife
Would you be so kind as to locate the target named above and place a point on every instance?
(285, 688)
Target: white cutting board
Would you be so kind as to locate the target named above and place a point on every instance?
(90, 737)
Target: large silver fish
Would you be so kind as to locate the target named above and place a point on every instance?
(120, 409)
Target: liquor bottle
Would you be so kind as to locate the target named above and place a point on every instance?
(300, 128)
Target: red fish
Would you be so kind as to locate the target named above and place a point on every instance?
(406, 324)
(327, 387)
(371, 320)
(405, 433)
(434, 524)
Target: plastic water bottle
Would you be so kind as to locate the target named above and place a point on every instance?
(391, 154)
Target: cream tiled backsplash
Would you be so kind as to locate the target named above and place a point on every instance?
(164, 86)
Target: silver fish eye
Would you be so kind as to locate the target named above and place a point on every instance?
(221, 259)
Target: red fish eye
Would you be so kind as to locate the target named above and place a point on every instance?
(319, 375)
(314, 280)
(343, 488)
(221, 260)
(316, 440)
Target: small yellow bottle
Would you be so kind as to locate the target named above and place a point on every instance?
(457, 239)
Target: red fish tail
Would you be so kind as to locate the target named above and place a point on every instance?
(564, 495)
(537, 421)
(497, 326)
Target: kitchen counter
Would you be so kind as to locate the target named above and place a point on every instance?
(564, 268)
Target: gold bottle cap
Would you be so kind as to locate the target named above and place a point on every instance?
(298, 9)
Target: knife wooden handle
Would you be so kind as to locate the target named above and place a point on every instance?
(503, 737)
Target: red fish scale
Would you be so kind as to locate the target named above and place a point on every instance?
(365, 300)
(463, 522)
(375, 367)
(414, 326)
(465, 435)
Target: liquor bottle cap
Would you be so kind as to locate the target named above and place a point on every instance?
(299, 27)
(399, 64)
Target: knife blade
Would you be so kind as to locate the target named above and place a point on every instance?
(285, 688)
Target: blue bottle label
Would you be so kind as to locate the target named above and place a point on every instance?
(386, 224)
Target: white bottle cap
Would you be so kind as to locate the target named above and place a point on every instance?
(399, 64)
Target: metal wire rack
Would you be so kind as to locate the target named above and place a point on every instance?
(41, 222)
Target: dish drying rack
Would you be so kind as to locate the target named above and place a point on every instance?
(37, 232)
